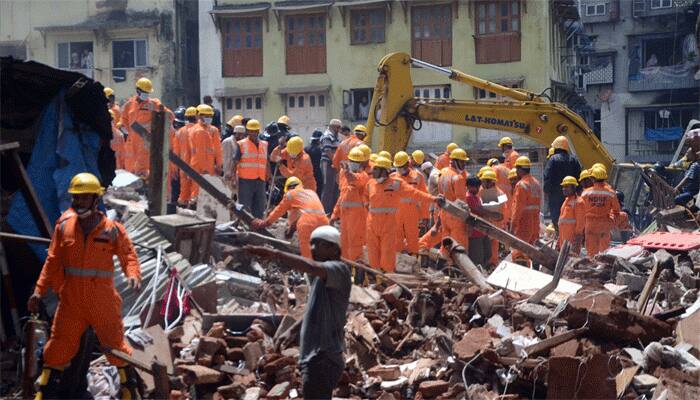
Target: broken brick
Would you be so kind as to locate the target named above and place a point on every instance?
(254, 393)
(279, 391)
(392, 294)
(475, 340)
(217, 330)
(235, 354)
(433, 388)
(273, 366)
(199, 374)
(252, 353)
(209, 346)
(385, 372)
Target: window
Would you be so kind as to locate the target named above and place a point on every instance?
(497, 31)
(656, 4)
(76, 56)
(368, 26)
(321, 100)
(247, 106)
(242, 46)
(292, 101)
(597, 122)
(596, 9)
(300, 102)
(258, 103)
(481, 94)
(431, 30)
(128, 54)
(306, 44)
(356, 104)
(229, 103)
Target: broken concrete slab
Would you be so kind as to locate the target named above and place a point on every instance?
(527, 281)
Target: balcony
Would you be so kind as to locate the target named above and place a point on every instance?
(680, 76)
(600, 70)
(657, 8)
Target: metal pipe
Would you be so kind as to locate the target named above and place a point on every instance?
(14, 236)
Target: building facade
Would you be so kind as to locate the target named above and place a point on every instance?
(639, 73)
(316, 60)
(115, 42)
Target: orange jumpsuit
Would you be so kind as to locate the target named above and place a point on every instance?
(510, 159)
(137, 114)
(350, 209)
(487, 196)
(453, 185)
(205, 152)
(301, 167)
(602, 209)
(502, 181)
(183, 151)
(525, 212)
(80, 269)
(572, 221)
(341, 154)
(384, 200)
(443, 161)
(117, 112)
(410, 212)
(117, 145)
(307, 206)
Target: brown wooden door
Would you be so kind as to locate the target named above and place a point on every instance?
(306, 43)
(242, 46)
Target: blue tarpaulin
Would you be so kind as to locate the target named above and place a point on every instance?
(57, 156)
(663, 134)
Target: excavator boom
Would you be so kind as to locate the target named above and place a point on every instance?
(394, 112)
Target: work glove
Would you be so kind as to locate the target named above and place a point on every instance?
(134, 282)
(34, 303)
(258, 223)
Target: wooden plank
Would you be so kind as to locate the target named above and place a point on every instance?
(32, 199)
(161, 380)
(158, 169)
(554, 341)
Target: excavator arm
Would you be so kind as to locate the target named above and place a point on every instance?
(395, 113)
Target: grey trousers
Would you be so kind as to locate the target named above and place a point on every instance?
(251, 193)
(330, 193)
(480, 250)
(321, 375)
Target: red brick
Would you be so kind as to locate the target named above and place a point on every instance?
(433, 388)
(385, 372)
(476, 339)
(235, 354)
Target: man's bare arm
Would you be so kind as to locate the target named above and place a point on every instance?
(292, 261)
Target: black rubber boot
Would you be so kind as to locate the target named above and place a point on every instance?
(49, 383)
(129, 383)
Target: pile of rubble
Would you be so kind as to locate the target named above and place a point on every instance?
(624, 325)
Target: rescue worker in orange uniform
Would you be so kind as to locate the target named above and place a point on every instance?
(306, 213)
(383, 196)
(452, 185)
(501, 176)
(417, 159)
(80, 269)
(585, 181)
(443, 160)
(572, 217)
(293, 161)
(491, 193)
(602, 209)
(112, 104)
(183, 151)
(253, 170)
(204, 147)
(411, 208)
(356, 139)
(136, 119)
(350, 209)
(525, 211)
(509, 154)
(117, 143)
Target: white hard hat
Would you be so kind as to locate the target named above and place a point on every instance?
(239, 129)
(426, 165)
(327, 233)
(335, 122)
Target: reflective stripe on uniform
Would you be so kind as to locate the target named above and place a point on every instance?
(382, 210)
(349, 204)
(567, 220)
(531, 207)
(407, 200)
(88, 272)
(310, 211)
(598, 192)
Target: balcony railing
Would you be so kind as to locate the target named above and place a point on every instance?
(679, 76)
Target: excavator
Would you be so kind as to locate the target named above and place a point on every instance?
(395, 112)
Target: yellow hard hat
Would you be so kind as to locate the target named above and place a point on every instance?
(488, 175)
(599, 165)
(291, 181)
(145, 85)
(360, 128)
(365, 150)
(482, 170)
(85, 183)
(382, 162)
(283, 120)
(585, 174)
(550, 152)
(356, 155)
(451, 147)
(108, 91)
(599, 173)
(505, 140)
(253, 125)
(373, 157)
(235, 120)
(191, 112)
(459, 154)
(513, 173)
(523, 161)
(569, 180)
(492, 161)
(384, 154)
(418, 156)
(560, 143)
(295, 145)
(205, 110)
(400, 159)
(550, 228)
